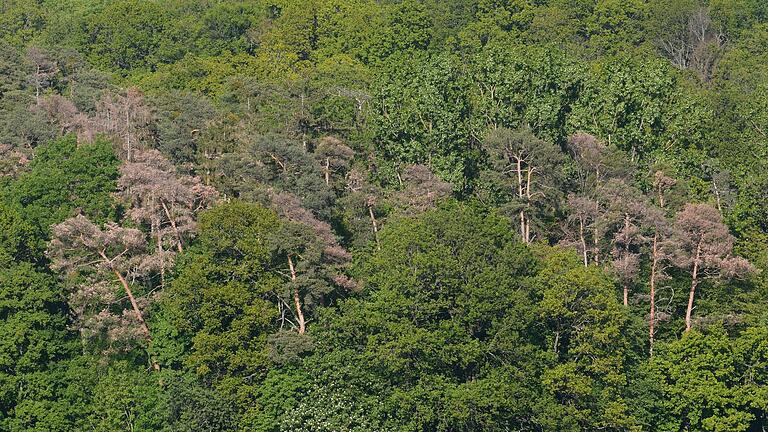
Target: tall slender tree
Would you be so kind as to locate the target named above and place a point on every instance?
(705, 249)
(528, 167)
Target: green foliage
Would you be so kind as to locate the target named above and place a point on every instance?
(217, 303)
(335, 114)
(421, 116)
(127, 35)
(710, 382)
(65, 178)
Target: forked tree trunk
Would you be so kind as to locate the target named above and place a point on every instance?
(375, 226)
(296, 297)
(694, 284)
(176, 232)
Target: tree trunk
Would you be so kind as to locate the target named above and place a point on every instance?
(296, 297)
(528, 183)
(521, 196)
(37, 86)
(694, 283)
(626, 257)
(626, 294)
(128, 133)
(134, 305)
(327, 171)
(583, 243)
(175, 228)
(375, 227)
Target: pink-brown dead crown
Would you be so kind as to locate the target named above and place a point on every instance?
(663, 182)
(423, 189)
(78, 242)
(626, 266)
(586, 147)
(97, 255)
(701, 232)
(289, 207)
(162, 198)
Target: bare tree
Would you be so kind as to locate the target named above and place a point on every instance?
(166, 201)
(126, 118)
(690, 40)
(624, 219)
(60, 111)
(101, 257)
(600, 170)
(583, 213)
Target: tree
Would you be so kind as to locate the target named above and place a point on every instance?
(514, 86)
(637, 104)
(65, 176)
(582, 323)
(183, 120)
(272, 164)
(91, 256)
(363, 209)
(583, 212)
(629, 210)
(126, 35)
(226, 298)
(662, 251)
(334, 156)
(705, 249)
(528, 168)
(685, 33)
(44, 69)
(168, 202)
(312, 253)
(662, 255)
(422, 191)
(126, 118)
(34, 328)
(706, 381)
(437, 319)
(420, 116)
(601, 174)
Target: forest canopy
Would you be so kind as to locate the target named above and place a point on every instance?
(393, 215)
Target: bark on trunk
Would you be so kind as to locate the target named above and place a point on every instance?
(626, 295)
(296, 297)
(176, 232)
(694, 283)
(583, 243)
(375, 227)
(521, 196)
(134, 305)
